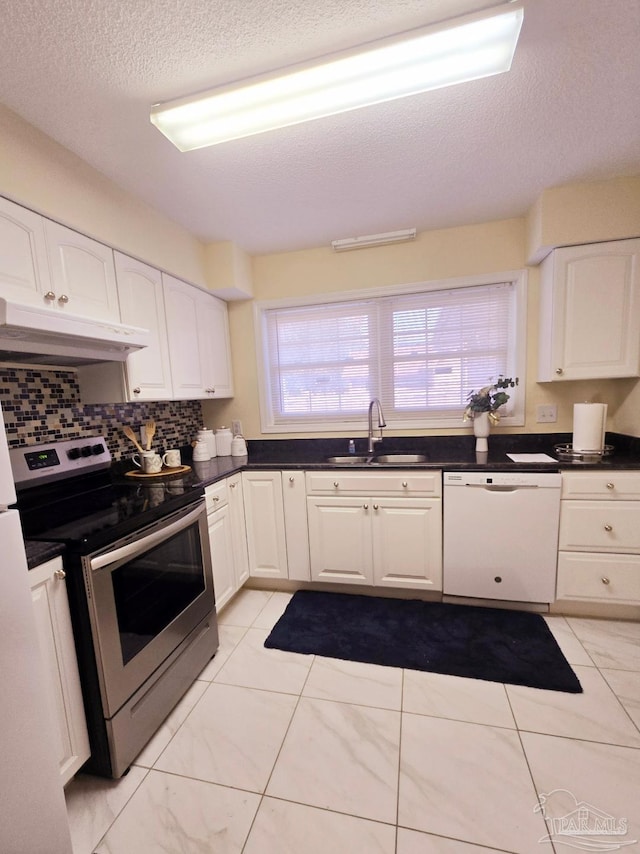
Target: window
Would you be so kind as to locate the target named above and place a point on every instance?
(420, 350)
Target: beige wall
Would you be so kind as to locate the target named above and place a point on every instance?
(583, 213)
(448, 253)
(40, 174)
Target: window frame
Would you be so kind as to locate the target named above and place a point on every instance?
(431, 421)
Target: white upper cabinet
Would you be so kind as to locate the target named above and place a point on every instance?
(43, 263)
(198, 332)
(83, 279)
(24, 270)
(140, 292)
(590, 312)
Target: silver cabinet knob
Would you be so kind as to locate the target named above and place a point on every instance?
(605, 580)
(136, 390)
(375, 507)
(336, 484)
(292, 480)
(210, 390)
(50, 295)
(405, 484)
(232, 485)
(63, 298)
(610, 486)
(366, 506)
(216, 498)
(559, 372)
(60, 574)
(608, 528)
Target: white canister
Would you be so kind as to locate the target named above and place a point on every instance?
(206, 435)
(238, 446)
(200, 452)
(223, 441)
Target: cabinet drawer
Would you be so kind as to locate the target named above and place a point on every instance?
(611, 485)
(216, 496)
(599, 578)
(600, 526)
(375, 483)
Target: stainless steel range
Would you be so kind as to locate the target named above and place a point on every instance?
(139, 578)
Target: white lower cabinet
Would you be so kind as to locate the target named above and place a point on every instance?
(264, 516)
(376, 528)
(227, 538)
(599, 557)
(55, 638)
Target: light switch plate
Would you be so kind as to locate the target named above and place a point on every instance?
(236, 427)
(546, 413)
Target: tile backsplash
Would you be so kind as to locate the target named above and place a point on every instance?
(45, 406)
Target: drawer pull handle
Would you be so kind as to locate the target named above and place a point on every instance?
(60, 574)
(610, 486)
(608, 527)
(605, 580)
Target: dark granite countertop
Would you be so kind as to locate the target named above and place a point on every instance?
(454, 453)
(41, 552)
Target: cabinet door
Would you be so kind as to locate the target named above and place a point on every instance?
(238, 529)
(590, 312)
(264, 517)
(340, 539)
(24, 270)
(213, 333)
(407, 543)
(224, 579)
(142, 304)
(83, 277)
(295, 523)
(181, 303)
(55, 639)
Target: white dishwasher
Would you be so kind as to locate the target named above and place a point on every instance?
(501, 535)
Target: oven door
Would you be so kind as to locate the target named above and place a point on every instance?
(146, 593)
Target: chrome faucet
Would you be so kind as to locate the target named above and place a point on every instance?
(381, 423)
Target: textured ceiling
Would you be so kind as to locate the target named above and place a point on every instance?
(86, 72)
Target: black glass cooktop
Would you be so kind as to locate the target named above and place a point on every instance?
(95, 510)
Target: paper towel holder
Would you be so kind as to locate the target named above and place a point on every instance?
(566, 453)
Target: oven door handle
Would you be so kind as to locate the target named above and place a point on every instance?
(146, 543)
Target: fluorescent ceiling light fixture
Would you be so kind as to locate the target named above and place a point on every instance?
(348, 243)
(452, 52)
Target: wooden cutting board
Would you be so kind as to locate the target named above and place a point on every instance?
(165, 472)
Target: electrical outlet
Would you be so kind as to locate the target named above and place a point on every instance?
(547, 413)
(236, 427)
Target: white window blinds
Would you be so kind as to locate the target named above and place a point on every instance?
(421, 353)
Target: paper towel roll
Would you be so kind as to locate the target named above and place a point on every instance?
(589, 425)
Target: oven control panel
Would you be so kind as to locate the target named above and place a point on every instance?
(35, 464)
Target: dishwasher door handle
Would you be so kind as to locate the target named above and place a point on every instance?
(496, 487)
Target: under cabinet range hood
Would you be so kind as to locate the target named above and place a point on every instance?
(29, 333)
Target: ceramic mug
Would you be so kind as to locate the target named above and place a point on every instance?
(171, 458)
(148, 461)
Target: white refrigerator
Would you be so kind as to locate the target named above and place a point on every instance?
(33, 817)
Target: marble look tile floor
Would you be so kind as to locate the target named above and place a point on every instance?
(276, 753)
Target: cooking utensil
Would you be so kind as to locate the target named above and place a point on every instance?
(128, 432)
(150, 431)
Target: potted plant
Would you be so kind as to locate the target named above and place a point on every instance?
(482, 405)
(489, 399)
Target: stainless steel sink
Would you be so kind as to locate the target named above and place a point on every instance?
(401, 459)
(346, 460)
